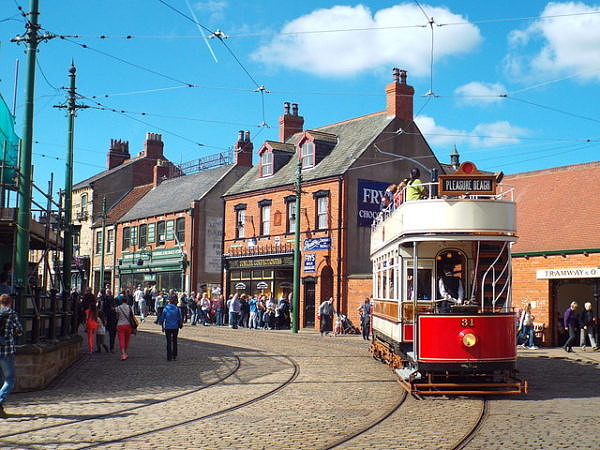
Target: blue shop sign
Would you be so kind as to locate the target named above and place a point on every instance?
(310, 260)
(323, 243)
(368, 200)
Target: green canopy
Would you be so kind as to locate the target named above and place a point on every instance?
(9, 143)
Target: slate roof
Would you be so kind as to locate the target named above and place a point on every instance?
(123, 205)
(354, 136)
(558, 208)
(176, 194)
(88, 181)
(289, 148)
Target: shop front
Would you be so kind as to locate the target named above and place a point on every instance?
(267, 275)
(161, 268)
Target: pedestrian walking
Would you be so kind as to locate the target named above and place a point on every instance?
(101, 332)
(253, 305)
(171, 321)
(570, 321)
(9, 328)
(586, 324)
(365, 318)
(111, 323)
(219, 305)
(526, 331)
(326, 312)
(138, 297)
(159, 304)
(124, 327)
(91, 326)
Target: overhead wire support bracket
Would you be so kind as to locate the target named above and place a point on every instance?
(218, 34)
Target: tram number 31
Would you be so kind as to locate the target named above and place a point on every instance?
(467, 322)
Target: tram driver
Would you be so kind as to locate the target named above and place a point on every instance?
(451, 290)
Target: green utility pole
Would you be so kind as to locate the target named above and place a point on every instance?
(68, 203)
(296, 288)
(102, 238)
(32, 38)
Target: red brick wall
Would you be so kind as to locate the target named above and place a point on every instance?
(527, 288)
(278, 228)
(359, 289)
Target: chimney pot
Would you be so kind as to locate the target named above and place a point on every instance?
(294, 109)
(290, 124)
(403, 76)
(241, 136)
(247, 136)
(396, 74)
(286, 108)
(399, 97)
(243, 149)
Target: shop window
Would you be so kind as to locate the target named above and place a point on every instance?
(245, 275)
(98, 242)
(236, 275)
(180, 229)
(160, 233)
(110, 241)
(143, 235)
(257, 274)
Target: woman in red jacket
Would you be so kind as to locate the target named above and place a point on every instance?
(91, 325)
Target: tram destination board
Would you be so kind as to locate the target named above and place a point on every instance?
(464, 184)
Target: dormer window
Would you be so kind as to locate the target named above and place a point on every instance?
(308, 155)
(266, 164)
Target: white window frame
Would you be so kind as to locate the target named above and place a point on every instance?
(322, 213)
(307, 155)
(266, 164)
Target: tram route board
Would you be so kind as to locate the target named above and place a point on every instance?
(470, 181)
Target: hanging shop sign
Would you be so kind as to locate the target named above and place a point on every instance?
(240, 286)
(262, 285)
(261, 262)
(310, 260)
(323, 243)
(368, 201)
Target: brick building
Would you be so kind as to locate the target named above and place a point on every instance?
(122, 174)
(172, 236)
(557, 257)
(346, 166)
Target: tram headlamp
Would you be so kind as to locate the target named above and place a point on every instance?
(469, 340)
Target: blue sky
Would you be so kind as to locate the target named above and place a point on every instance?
(332, 58)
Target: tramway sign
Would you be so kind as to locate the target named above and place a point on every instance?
(467, 180)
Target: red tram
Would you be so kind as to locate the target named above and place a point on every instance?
(442, 315)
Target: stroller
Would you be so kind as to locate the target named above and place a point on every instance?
(344, 325)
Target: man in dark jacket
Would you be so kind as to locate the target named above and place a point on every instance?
(10, 327)
(571, 322)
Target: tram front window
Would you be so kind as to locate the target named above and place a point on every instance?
(423, 284)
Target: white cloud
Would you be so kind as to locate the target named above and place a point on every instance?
(569, 44)
(483, 135)
(213, 8)
(477, 92)
(348, 52)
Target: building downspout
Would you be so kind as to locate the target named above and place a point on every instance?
(192, 257)
(341, 202)
(224, 287)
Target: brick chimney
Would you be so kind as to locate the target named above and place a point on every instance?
(290, 122)
(160, 172)
(399, 96)
(243, 149)
(153, 146)
(117, 153)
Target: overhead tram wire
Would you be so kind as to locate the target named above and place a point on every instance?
(339, 30)
(550, 108)
(217, 34)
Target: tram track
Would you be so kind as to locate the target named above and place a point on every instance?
(132, 408)
(291, 379)
(121, 412)
(372, 425)
(475, 428)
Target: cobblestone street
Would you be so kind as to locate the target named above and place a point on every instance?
(272, 389)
